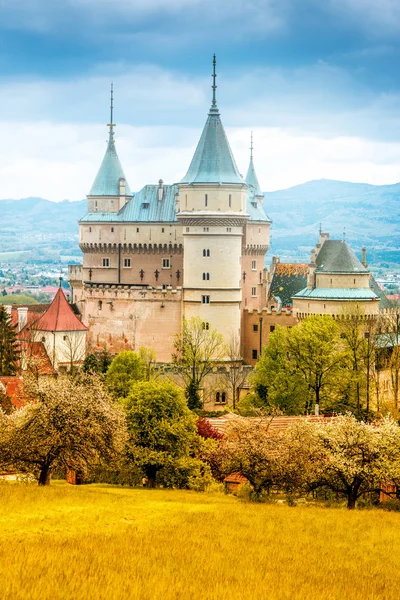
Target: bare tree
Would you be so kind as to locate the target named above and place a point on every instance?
(197, 350)
(235, 375)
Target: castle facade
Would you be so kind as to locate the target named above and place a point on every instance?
(168, 252)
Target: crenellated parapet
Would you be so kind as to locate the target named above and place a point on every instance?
(94, 247)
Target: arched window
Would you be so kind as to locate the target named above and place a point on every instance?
(206, 276)
(217, 398)
(100, 304)
(208, 253)
(223, 398)
(206, 200)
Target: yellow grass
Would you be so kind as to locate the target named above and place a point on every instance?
(103, 542)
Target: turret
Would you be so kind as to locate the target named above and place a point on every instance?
(251, 178)
(110, 190)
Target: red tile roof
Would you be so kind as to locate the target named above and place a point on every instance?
(36, 351)
(59, 316)
(14, 389)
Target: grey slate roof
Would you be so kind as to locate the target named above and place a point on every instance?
(337, 294)
(109, 174)
(252, 180)
(336, 256)
(213, 161)
(383, 302)
(144, 207)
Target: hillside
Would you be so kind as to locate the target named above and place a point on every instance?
(369, 214)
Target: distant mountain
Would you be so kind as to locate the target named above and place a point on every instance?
(41, 215)
(369, 215)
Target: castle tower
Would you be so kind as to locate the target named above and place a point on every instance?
(110, 190)
(212, 211)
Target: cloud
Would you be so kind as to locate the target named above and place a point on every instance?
(376, 16)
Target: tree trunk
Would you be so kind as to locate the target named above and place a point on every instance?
(151, 473)
(352, 495)
(44, 476)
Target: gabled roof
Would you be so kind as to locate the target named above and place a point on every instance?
(59, 317)
(287, 280)
(252, 180)
(109, 174)
(213, 161)
(336, 256)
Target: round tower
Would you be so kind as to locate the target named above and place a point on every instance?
(212, 211)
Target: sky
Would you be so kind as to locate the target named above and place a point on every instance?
(318, 83)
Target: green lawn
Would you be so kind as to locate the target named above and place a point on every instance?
(104, 542)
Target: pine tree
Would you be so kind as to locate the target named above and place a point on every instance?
(9, 346)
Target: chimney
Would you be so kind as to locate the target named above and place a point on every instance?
(22, 317)
(364, 256)
(160, 189)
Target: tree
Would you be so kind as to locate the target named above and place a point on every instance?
(125, 369)
(162, 429)
(9, 346)
(66, 423)
(198, 349)
(315, 354)
(348, 456)
(148, 358)
(97, 362)
(234, 375)
(276, 381)
(251, 449)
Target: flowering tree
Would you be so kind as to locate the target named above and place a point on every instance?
(66, 423)
(347, 456)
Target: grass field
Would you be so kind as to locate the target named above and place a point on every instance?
(103, 542)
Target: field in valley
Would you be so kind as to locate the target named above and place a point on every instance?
(104, 542)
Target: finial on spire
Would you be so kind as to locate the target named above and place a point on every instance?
(111, 124)
(251, 146)
(214, 86)
(344, 234)
(320, 228)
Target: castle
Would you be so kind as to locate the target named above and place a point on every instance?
(197, 248)
(168, 252)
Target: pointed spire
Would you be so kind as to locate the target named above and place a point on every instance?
(110, 172)
(251, 177)
(111, 124)
(214, 107)
(213, 161)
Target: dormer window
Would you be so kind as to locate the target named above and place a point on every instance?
(145, 205)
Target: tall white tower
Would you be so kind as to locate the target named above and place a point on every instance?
(212, 211)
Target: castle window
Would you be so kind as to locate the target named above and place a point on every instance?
(112, 229)
(254, 265)
(43, 339)
(206, 276)
(112, 203)
(230, 200)
(127, 262)
(137, 229)
(206, 252)
(206, 325)
(272, 328)
(206, 200)
(205, 229)
(90, 230)
(106, 262)
(166, 263)
(217, 398)
(95, 204)
(255, 327)
(254, 292)
(254, 354)
(205, 299)
(223, 398)
(324, 305)
(228, 229)
(145, 205)
(187, 229)
(162, 229)
(354, 282)
(64, 338)
(100, 304)
(185, 200)
(164, 286)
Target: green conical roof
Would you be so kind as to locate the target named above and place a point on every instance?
(110, 172)
(213, 160)
(251, 179)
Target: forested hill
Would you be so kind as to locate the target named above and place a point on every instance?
(370, 215)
